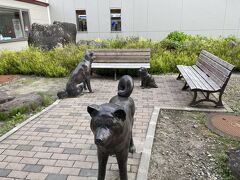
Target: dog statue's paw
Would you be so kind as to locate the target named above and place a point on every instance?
(132, 149)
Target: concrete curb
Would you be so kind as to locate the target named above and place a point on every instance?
(147, 149)
(27, 121)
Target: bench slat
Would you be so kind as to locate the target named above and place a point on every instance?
(186, 77)
(196, 80)
(216, 66)
(120, 65)
(134, 53)
(218, 60)
(120, 59)
(204, 76)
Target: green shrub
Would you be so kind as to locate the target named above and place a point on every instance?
(176, 48)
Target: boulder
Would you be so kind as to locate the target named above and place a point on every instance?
(4, 97)
(48, 37)
(234, 162)
(28, 101)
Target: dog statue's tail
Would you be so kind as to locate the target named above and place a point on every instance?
(125, 86)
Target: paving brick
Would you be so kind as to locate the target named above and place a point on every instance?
(36, 176)
(4, 172)
(42, 155)
(51, 169)
(26, 154)
(88, 173)
(80, 164)
(24, 147)
(40, 149)
(51, 144)
(33, 168)
(60, 156)
(15, 166)
(13, 159)
(18, 174)
(66, 127)
(29, 160)
(41, 129)
(10, 152)
(70, 171)
(64, 163)
(2, 157)
(72, 150)
(56, 177)
(49, 162)
(77, 157)
(55, 150)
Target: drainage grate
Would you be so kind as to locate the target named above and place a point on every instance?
(225, 125)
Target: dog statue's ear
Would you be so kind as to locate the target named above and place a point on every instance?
(93, 110)
(120, 114)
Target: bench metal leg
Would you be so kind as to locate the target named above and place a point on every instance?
(194, 103)
(219, 103)
(115, 74)
(179, 76)
(185, 86)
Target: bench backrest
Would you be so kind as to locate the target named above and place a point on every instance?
(122, 55)
(217, 69)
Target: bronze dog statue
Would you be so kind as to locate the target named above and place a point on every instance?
(111, 125)
(147, 81)
(79, 78)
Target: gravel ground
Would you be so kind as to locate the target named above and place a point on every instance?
(184, 148)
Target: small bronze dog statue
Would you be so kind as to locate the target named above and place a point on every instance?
(147, 81)
(112, 124)
(79, 78)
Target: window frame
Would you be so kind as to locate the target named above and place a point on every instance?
(111, 19)
(78, 20)
(20, 10)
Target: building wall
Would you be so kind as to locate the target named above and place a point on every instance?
(153, 18)
(37, 14)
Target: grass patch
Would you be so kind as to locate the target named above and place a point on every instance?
(18, 115)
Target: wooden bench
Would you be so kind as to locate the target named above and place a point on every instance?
(121, 59)
(209, 75)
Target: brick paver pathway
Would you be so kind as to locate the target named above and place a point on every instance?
(58, 144)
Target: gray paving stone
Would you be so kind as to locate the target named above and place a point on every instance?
(24, 147)
(33, 168)
(4, 172)
(51, 144)
(88, 172)
(65, 127)
(56, 177)
(71, 150)
(41, 129)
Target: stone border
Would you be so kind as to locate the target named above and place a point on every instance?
(27, 121)
(143, 168)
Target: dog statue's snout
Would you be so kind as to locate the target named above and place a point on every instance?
(98, 142)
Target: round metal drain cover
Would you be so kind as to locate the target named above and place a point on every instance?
(225, 125)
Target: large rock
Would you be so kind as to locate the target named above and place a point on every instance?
(234, 162)
(4, 97)
(48, 37)
(28, 101)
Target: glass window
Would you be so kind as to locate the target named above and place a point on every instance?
(13, 23)
(81, 20)
(115, 19)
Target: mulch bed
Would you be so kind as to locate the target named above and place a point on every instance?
(6, 78)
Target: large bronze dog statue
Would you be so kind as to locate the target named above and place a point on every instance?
(79, 78)
(112, 124)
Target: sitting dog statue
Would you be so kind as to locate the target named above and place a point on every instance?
(112, 124)
(79, 78)
(147, 81)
